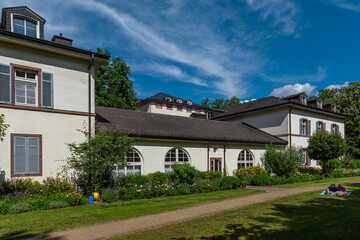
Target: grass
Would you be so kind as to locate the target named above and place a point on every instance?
(321, 182)
(36, 222)
(302, 216)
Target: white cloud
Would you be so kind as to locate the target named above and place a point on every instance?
(319, 76)
(338, 85)
(346, 4)
(293, 89)
(283, 13)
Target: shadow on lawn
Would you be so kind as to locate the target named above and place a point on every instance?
(323, 217)
(24, 235)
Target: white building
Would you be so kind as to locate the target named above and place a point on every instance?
(46, 94)
(293, 118)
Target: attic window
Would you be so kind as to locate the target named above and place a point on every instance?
(168, 99)
(333, 107)
(303, 100)
(179, 100)
(189, 102)
(24, 26)
(319, 104)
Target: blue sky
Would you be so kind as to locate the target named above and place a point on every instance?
(197, 49)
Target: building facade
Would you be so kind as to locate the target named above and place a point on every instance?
(46, 95)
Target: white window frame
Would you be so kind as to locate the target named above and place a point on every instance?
(247, 163)
(26, 80)
(319, 104)
(124, 171)
(303, 100)
(26, 18)
(170, 163)
(189, 102)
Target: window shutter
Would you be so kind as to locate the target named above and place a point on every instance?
(47, 98)
(332, 128)
(34, 156)
(324, 126)
(317, 126)
(309, 127)
(301, 126)
(19, 155)
(5, 83)
(337, 129)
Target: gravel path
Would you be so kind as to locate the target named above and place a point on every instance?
(120, 227)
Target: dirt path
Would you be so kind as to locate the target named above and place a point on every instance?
(120, 227)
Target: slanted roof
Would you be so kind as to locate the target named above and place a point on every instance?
(270, 102)
(160, 126)
(160, 97)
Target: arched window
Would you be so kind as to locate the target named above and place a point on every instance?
(175, 156)
(245, 159)
(133, 165)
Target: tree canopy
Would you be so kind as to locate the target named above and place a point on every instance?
(221, 103)
(347, 101)
(113, 86)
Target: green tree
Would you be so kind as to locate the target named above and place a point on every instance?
(282, 162)
(3, 127)
(221, 103)
(324, 146)
(93, 160)
(113, 86)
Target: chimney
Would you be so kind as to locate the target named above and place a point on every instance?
(62, 40)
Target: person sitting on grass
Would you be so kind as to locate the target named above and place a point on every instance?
(331, 189)
(341, 191)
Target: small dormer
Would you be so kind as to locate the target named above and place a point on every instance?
(22, 20)
(316, 102)
(179, 100)
(189, 102)
(299, 97)
(168, 99)
(330, 106)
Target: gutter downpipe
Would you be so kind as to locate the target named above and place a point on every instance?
(225, 172)
(208, 159)
(290, 125)
(89, 94)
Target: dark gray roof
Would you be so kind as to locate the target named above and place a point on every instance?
(160, 97)
(152, 125)
(268, 102)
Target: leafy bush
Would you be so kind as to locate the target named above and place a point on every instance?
(205, 185)
(159, 177)
(109, 195)
(229, 183)
(336, 174)
(248, 172)
(261, 180)
(183, 189)
(309, 170)
(19, 208)
(282, 162)
(58, 204)
(350, 163)
(183, 173)
(332, 164)
(209, 175)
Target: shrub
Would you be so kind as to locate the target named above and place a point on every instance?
(183, 189)
(229, 183)
(205, 185)
(75, 199)
(109, 195)
(244, 173)
(58, 204)
(19, 208)
(350, 163)
(183, 173)
(324, 146)
(261, 180)
(336, 174)
(282, 162)
(159, 177)
(332, 164)
(309, 170)
(209, 175)
(5, 204)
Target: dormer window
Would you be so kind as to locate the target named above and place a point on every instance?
(179, 100)
(209, 114)
(333, 108)
(189, 102)
(319, 104)
(303, 100)
(168, 99)
(25, 26)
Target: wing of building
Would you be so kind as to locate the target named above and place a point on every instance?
(46, 94)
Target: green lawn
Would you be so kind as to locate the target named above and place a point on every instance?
(36, 222)
(321, 182)
(303, 216)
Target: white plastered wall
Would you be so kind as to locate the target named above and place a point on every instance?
(151, 107)
(153, 154)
